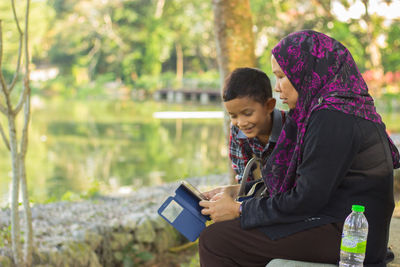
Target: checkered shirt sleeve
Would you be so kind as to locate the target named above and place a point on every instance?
(237, 154)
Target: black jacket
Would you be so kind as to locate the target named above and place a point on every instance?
(346, 160)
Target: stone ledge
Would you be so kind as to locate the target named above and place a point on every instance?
(105, 228)
(394, 240)
(105, 231)
(289, 263)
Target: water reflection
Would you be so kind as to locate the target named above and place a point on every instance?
(84, 147)
(81, 146)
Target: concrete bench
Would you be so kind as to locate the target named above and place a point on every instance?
(290, 263)
(394, 243)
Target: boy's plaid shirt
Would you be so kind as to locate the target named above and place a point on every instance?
(242, 149)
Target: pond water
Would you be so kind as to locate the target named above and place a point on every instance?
(81, 147)
(78, 148)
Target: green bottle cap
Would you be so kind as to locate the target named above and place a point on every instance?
(357, 208)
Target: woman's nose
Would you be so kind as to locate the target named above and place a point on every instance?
(277, 88)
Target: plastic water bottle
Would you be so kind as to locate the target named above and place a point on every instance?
(354, 238)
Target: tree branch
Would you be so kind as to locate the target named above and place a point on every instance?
(16, 73)
(24, 137)
(110, 30)
(25, 96)
(159, 9)
(15, 16)
(21, 100)
(3, 110)
(2, 81)
(3, 134)
(1, 42)
(15, 78)
(325, 7)
(27, 74)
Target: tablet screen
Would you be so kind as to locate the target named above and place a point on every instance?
(194, 190)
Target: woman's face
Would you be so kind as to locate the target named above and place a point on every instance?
(283, 86)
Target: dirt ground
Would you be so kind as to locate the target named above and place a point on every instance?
(183, 258)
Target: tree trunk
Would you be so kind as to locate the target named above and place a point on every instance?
(159, 9)
(375, 57)
(234, 35)
(179, 64)
(28, 248)
(18, 153)
(15, 226)
(235, 41)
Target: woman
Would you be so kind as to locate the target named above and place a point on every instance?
(333, 152)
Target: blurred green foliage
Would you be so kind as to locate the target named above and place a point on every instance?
(139, 43)
(5, 235)
(132, 256)
(108, 49)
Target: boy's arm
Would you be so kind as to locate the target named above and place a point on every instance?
(237, 154)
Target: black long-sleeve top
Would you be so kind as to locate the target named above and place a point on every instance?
(346, 160)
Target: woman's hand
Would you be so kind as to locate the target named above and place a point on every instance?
(223, 209)
(210, 194)
(215, 194)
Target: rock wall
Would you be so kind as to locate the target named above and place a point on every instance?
(106, 231)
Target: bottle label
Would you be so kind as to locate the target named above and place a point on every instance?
(351, 244)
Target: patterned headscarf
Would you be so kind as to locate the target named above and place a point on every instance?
(325, 76)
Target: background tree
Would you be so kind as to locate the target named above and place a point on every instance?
(17, 147)
(234, 38)
(234, 35)
(142, 42)
(366, 35)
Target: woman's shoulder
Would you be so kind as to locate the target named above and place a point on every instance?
(330, 114)
(328, 118)
(328, 121)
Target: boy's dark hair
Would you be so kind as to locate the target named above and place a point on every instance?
(247, 82)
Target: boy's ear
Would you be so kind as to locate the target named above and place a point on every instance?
(270, 104)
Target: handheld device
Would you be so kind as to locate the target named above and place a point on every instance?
(183, 211)
(194, 190)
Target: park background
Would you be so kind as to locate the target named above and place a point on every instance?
(97, 65)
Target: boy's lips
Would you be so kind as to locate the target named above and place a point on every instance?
(248, 130)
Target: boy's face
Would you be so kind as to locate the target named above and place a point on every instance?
(251, 117)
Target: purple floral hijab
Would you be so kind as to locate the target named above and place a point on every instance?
(325, 76)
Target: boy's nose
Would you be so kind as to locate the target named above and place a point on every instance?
(242, 123)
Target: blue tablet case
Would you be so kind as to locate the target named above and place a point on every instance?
(183, 212)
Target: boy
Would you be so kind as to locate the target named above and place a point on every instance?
(255, 123)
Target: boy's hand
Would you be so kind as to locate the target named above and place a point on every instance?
(223, 209)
